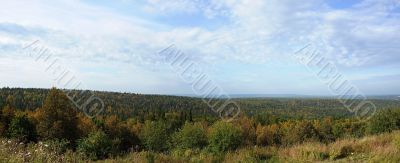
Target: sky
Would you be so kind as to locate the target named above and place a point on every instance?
(244, 46)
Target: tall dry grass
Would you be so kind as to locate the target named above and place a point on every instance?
(378, 148)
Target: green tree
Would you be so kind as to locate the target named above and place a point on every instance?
(22, 129)
(96, 146)
(224, 136)
(57, 119)
(154, 135)
(191, 136)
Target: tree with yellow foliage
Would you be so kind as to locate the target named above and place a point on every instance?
(57, 119)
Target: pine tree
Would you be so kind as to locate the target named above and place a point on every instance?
(57, 119)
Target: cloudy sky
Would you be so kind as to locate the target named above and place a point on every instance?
(244, 46)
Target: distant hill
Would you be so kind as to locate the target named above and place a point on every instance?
(300, 96)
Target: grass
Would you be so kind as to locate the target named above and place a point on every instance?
(378, 148)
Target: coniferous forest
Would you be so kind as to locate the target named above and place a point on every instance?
(42, 125)
(199, 81)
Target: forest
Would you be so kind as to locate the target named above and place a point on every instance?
(41, 125)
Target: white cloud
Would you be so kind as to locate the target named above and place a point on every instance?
(261, 30)
(257, 32)
(209, 8)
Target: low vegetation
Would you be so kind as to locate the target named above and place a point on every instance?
(378, 148)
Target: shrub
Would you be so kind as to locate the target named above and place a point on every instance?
(154, 135)
(268, 135)
(384, 121)
(224, 136)
(305, 131)
(298, 132)
(349, 128)
(96, 146)
(325, 129)
(121, 134)
(22, 129)
(190, 136)
(248, 128)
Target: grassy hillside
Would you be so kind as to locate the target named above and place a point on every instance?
(378, 148)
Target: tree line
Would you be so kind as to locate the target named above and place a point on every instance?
(166, 127)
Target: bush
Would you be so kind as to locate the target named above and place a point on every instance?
(154, 135)
(384, 121)
(190, 136)
(305, 131)
(349, 128)
(248, 128)
(294, 132)
(22, 129)
(96, 146)
(224, 136)
(268, 135)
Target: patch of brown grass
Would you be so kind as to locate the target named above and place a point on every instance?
(378, 148)
(305, 152)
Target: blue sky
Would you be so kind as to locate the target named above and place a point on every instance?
(245, 46)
